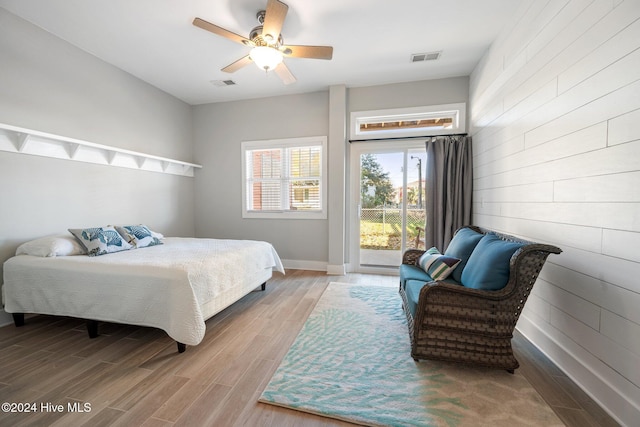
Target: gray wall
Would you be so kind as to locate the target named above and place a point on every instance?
(219, 130)
(48, 85)
(412, 94)
(556, 135)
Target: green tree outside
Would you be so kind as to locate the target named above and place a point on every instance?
(373, 176)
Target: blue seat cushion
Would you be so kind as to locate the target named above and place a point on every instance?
(461, 247)
(412, 272)
(488, 266)
(412, 290)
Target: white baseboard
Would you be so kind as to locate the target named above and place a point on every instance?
(336, 270)
(295, 264)
(589, 375)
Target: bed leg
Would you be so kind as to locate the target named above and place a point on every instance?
(18, 319)
(264, 286)
(181, 347)
(92, 328)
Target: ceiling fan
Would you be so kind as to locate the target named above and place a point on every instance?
(266, 42)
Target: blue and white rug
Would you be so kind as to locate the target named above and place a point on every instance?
(352, 361)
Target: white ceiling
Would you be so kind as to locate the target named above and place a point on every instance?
(372, 39)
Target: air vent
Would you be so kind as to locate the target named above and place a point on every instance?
(429, 56)
(223, 83)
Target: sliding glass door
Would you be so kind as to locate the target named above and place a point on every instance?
(387, 212)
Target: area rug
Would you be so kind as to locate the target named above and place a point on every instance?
(351, 361)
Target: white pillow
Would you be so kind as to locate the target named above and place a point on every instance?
(58, 245)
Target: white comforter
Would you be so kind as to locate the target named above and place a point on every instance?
(162, 286)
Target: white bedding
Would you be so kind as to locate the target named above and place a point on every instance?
(167, 286)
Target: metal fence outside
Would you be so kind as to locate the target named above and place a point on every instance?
(383, 228)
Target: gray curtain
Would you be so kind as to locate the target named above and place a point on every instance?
(449, 182)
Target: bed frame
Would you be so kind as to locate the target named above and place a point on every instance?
(193, 279)
(92, 325)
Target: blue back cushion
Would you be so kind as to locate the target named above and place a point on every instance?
(488, 265)
(461, 247)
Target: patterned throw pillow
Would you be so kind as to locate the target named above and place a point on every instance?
(138, 235)
(100, 240)
(436, 265)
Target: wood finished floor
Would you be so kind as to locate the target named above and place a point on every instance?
(133, 376)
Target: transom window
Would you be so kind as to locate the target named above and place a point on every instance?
(406, 122)
(284, 178)
(445, 122)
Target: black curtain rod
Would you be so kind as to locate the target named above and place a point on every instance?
(405, 137)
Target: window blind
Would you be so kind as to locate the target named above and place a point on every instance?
(284, 179)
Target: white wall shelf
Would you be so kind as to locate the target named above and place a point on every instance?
(27, 141)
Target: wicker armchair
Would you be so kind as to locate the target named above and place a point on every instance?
(471, 326)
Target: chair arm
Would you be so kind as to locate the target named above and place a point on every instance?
(442, 289)
(411, 256)
(449, 305)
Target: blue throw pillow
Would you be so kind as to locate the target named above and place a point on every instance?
(488, 265)
(461, 247)
(100, 240)
(138, 235)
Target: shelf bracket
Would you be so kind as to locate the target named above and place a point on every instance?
(22, 139)
(72, 149)
(140, 161)
(111, 155)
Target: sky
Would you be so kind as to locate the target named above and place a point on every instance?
(392, 163)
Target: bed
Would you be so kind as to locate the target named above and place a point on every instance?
(175, 286)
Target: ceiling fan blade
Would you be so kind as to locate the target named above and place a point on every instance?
(273, 20)
(314, 52)
(285, 75)
(205, 25)
(235, 66)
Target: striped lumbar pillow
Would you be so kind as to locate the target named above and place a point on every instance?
(436, 265)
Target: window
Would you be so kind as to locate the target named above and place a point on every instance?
(406, 122)
(284, 178)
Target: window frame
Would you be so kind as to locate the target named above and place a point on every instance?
(457, 111)
(285, 143)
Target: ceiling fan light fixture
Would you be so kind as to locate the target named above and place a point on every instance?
(265, 57)
(267, 44)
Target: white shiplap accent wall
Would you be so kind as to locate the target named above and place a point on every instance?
(555, 120)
